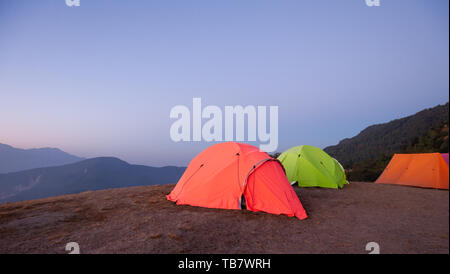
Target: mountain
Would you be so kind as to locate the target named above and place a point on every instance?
(366, 155)
(15, 159)
(91, 174)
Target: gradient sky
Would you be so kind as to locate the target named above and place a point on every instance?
(100, 79)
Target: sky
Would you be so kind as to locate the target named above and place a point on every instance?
(100, 79)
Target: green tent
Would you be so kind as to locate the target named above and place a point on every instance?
(310, 166)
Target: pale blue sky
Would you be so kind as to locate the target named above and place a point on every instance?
(100, 79)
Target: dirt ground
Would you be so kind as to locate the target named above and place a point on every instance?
(140, 220)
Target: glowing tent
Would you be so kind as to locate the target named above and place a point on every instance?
(422, 170)
(223, 174)
(445, 156)
(310, 166)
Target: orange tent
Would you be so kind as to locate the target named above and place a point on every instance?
(223, 174)
(422, 170)
(445, 156)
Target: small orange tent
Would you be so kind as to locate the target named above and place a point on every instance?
(422, 170)
(445, 156)
(223, 174)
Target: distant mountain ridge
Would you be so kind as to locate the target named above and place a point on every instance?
(367, 154)
(92, 174)
(16, 159)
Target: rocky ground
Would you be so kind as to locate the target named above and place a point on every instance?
(140, 220)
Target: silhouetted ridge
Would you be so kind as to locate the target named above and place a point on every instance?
(366, 155)
(91, 174)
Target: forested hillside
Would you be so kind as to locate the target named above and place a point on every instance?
(366, 155)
